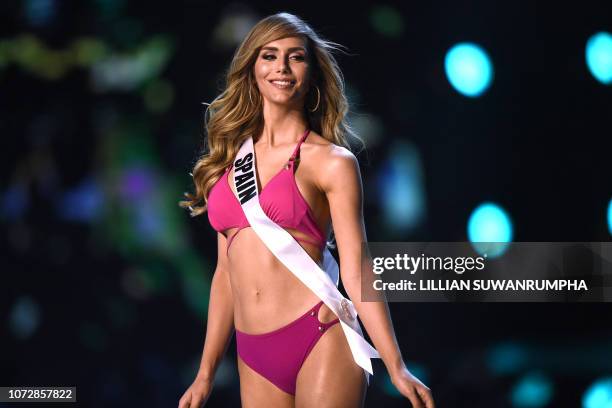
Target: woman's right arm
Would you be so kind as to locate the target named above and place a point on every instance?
(220, 326)
(219, 330)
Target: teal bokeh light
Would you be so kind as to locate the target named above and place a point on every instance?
(598, 55)
(468, 69)
(533, 390)
(599, 394)
(401, 184)
(507, 358)
(490, 229)
(610, 217)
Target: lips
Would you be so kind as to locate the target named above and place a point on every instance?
(282, 83)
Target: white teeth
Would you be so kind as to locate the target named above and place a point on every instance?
(282, 83)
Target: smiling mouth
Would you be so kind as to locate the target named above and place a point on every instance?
(283, 84)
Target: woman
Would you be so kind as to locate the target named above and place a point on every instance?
(284, 89)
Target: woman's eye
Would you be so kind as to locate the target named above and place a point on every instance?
(271, 56)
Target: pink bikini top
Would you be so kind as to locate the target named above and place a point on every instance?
(280, 199)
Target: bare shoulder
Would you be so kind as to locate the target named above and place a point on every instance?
(333, 162)
(325, 153)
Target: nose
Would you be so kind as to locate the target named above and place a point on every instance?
(283, 65)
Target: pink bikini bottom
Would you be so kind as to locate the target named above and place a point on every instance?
(278, 355)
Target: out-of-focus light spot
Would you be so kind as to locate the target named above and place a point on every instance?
(385, 384)
(368, 127)
(34, 57)
(506, 358)
(93, 336)
(24, 317)
(225, 376)
(83, 203)
(87, 51)
(533, 390)
(196, 288)
(401, 184)
(136, 151)
(27, 51)
(232, 28)
(149, 223)
(190, 267)
(158, 96)
(490, 229)
(599, 394)
(136, 184)
(39, 12)
(387, 21)
(599, 56)
(15, 201)
(418, 370)
(125, 73)
(468, 69)
(610, 217)
(109, 70)
(54, 64)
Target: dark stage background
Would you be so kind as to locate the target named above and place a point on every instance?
(105, 280)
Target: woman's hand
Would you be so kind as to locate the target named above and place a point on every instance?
(412, 388)
(197, 394)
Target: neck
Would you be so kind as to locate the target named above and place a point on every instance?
(282, 125)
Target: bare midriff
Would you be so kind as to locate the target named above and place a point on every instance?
(267, 295)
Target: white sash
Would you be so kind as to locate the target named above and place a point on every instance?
(282, 244)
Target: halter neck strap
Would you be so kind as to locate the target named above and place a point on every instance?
(297, 147)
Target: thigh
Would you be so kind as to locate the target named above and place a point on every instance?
(256, 391)
(329, 376)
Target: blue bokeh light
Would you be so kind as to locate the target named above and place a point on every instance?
(533, 390)
(15, 201)
(83, 203)
(507, 358)
(24, 317)
(490, 225)
(401, 185)
(599, 394)
(598, 55)
(40, 12)
(468, 69)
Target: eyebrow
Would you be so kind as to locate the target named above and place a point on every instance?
(289, 49)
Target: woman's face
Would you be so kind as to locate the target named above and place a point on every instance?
(282, 71)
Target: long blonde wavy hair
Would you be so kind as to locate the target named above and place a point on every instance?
(236, 113)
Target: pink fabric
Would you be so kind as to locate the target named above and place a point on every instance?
(278, 355)
(280, 199)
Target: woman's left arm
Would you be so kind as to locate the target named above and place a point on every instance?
(341, 182)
